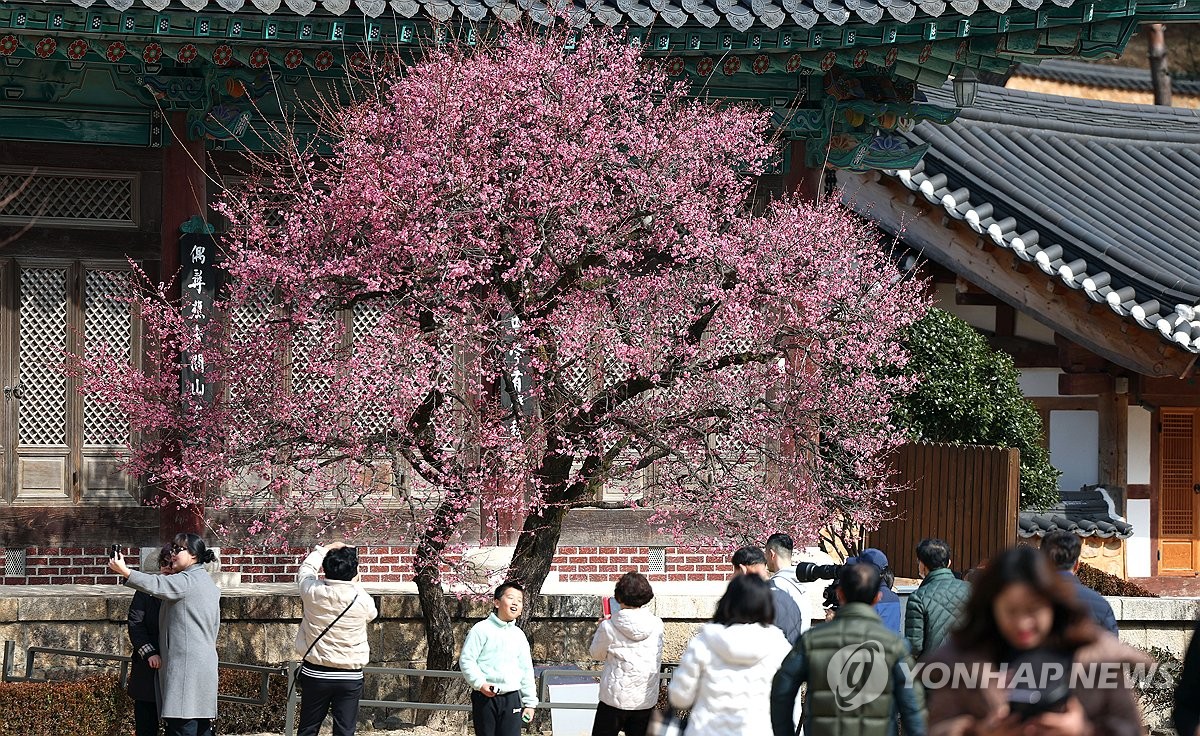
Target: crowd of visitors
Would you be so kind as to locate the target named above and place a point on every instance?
(759, 667)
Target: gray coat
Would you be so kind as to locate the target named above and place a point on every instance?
(188, 623)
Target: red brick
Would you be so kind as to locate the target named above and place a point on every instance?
(587, 568)
(608, 551)
(607, 568)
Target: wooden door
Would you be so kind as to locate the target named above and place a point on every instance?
(62, 447)
(1179, 492)
(8, 415)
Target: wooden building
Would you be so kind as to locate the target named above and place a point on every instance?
(120, 117)
(1063, 229)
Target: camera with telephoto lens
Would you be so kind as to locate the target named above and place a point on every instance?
(808, 572)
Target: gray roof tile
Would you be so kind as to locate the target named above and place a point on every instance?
(1100, 195)
(1087, 512)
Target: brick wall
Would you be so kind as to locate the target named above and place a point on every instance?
(89, 565)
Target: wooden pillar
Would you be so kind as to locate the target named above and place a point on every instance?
(1114, 439)
(808, 182)
(184, 195)
(184, 191)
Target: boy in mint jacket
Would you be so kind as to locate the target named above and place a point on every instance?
(498, 666)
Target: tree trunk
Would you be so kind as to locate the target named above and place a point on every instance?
(534, 553)
(436, 619)
(439, 633)
(1160, 75)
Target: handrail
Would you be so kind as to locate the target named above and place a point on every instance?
(543, 689)
(290, 669)
(6, 674)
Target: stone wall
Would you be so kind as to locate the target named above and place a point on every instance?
(259, 624)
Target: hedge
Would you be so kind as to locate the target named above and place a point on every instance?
(97, 706)
(1106, 584)
(91, 706)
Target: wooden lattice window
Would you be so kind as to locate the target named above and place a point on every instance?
(61, 446)
(1178, 463)
(69, 198)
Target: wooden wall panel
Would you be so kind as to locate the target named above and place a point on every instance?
(966, 494)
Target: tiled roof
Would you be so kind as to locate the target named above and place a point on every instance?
(1100, 195)
(1101, 75)
(738, 14)
(1088, 512)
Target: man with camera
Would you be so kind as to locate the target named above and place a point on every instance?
(778, 552)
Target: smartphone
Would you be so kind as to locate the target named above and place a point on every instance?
(610, 606)
(1028, 704)
(113, 551)
(1045, 686)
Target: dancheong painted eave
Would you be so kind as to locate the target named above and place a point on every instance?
(1098, 195)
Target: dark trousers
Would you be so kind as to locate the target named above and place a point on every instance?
(496, 716)
(145, 718)
(188, 726)
(610, 720)
(320, 697)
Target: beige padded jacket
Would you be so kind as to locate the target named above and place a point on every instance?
(345, 645)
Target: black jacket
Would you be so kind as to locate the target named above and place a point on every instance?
(142, 623)
(1187, 705)
(1102, 613)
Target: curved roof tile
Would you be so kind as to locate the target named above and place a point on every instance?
(1099, 195)
(1088, 512)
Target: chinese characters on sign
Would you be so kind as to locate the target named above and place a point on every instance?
(198, 290)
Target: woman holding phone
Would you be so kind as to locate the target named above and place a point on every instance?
(1022, 612)
(629, 641)
(189, 618)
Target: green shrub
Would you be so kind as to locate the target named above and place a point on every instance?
(90, 706)
(1106, 584)
(968, 394)
(1157, 697)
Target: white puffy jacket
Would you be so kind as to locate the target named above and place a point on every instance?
(631, 644)
(725, 678)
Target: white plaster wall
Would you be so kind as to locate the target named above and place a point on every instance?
(1138, 458)
(1137, 547)
(1039, 381)
(983, 318)
(1030, 329)
(1075, 447)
